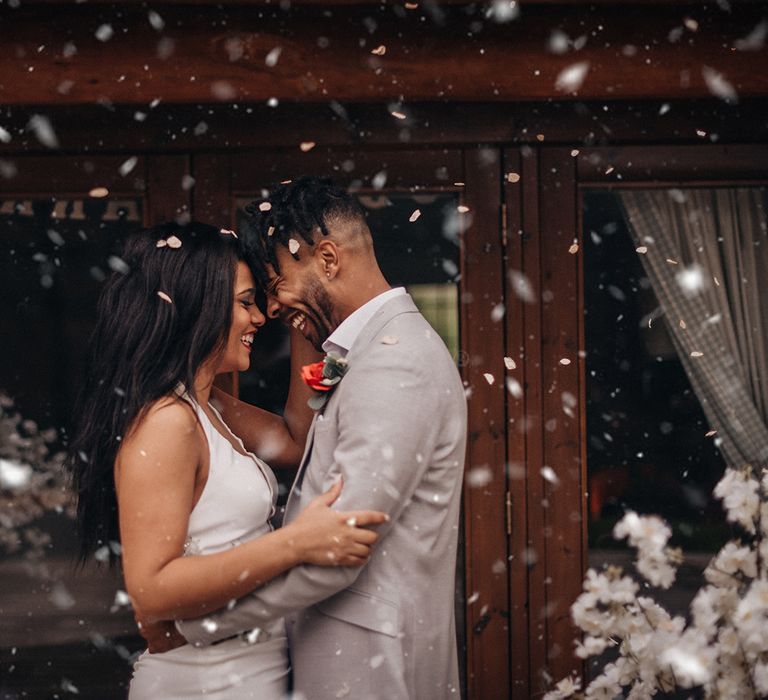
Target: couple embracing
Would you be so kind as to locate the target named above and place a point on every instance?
(356, 587)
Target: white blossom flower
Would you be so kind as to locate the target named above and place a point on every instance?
(739, 492)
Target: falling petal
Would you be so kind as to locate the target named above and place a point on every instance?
(104, 32)
(415, 215)
(99, 192)
(161, 243)
(574, 248)
(293, 246)
(128, 165)
(513, 177)
(719, 86)
(379, 50)
(479, 477)
(43, 129)
(165, 297)
(565, 361)
(273, 56)
(489, 378)
(265, 206)
(642, 249)
(549, 474)
(571, 78)
(398, 115)
(697, 353)
(228, 232)
(306, 146)
(509, 363)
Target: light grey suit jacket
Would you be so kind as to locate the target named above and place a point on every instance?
(395, 429)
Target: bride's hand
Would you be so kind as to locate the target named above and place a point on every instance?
(328, 537)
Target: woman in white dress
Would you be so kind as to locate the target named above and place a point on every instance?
(157, 470)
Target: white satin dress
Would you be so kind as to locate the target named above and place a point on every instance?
(236, 505)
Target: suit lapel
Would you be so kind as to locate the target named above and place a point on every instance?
(395, 307)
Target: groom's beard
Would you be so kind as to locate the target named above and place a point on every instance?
(320, 313)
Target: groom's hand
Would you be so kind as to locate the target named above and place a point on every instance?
(160, 636)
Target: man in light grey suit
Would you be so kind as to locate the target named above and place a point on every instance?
(394, 428)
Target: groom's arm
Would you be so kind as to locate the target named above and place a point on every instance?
(389, 416)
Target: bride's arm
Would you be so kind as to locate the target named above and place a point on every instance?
(155, 481)
(278, 440)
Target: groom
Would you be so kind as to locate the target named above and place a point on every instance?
(394, 428)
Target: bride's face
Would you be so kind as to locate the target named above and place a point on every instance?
(246, 320)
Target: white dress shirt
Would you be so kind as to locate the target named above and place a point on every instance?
(342, 339)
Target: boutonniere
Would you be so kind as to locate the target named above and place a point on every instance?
(323, 377)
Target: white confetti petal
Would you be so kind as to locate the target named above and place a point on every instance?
(173, 242)
(306, 146)
(293, 246)
(389, 340)
(489, 378)
(549, 474)
(415, 215)
(570, 79)
(165, 297)
(509, 363)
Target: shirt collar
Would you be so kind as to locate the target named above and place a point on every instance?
(342, 339)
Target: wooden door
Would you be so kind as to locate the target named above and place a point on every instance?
(436, 218)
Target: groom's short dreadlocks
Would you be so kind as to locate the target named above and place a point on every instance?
(298, 208)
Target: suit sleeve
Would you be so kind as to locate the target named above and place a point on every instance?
(388, 422)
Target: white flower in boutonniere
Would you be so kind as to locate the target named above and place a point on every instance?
(323, 377)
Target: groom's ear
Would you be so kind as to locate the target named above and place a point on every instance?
(327, 257)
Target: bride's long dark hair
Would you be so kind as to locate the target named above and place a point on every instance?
(159, 318)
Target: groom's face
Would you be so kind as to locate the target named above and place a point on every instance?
(297, 295)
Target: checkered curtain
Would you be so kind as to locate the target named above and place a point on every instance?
(705, 252)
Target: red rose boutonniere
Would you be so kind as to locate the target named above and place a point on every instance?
(323, 377)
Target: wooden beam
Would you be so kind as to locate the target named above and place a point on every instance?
(103, 54)
(184, 128)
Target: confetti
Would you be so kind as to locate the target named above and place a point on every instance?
(549, 474)
(398, 115)
(293, 246)
(682, 324)
(415, 215)
(462, 209)
(161, 243)
(672, 262)
(173, 242)
(104, 32)
(389, 340)
(128, 165)
(574, 152)
(565, 361)
(691, 24)
(574, 248)
(479, 477)
(411, 6)
(570, 79)
(43, 129)
(271, 230)
(99, 192)
(701, 132)
(514, 387)
(227, 232)
(489, 378)
(306, 146)
(265, 206)
(641, 249)
(379, 50)
(272, 57)
(697, 353)
(497, 312)
(711, 433)
(513, 177)
(539, 137)
(509, 363)
(165, 297)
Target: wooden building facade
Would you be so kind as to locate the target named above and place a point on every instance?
(507, 113)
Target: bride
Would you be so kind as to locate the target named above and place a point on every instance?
(156, 468)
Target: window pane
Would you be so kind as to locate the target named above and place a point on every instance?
(59, 627)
